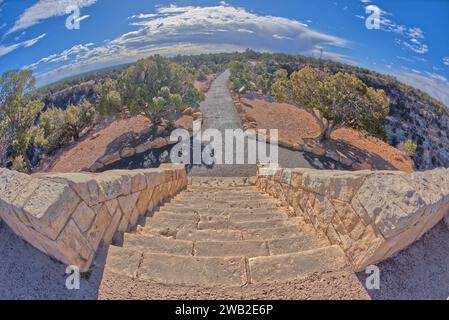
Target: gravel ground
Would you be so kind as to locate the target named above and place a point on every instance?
(26, 273)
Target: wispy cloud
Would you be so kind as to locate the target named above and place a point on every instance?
(446, 61)
(185, 28)
(409, 38)
(433, 83)
(4, 50)
(45, 9)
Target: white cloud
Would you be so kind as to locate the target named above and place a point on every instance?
(45, 9)
(446, 61)
(434, 84)
(412, 38)
(188, 28)
(4, 50)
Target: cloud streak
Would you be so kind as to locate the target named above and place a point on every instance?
(4, 50)
(45, 9)
(186, 28)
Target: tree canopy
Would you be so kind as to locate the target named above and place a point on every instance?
(335, 100)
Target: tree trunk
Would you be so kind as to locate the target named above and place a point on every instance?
(27, 161)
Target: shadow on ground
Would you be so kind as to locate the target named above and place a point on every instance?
(419, 272)
(26, 273)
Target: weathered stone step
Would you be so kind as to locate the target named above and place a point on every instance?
(173, 224)
(209, 235)
(271, 233)
(296, 265)
(218, 211)
(222, 205)
(231, 248)
(226, 182)
(177, 270)
(243, 217)
(221, 196)
(193, 271)
(178, 216)
(247, 225)
(158, 244)
(303, 242)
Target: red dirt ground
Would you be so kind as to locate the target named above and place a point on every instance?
(86, 152)
(295, 124)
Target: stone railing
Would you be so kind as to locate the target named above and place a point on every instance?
(67, 216)
(371, 214)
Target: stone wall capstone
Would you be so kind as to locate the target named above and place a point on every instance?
(68, 215)
(371, 214)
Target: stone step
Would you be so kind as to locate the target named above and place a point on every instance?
(219, 211)
(303, 242)
(158, 244)
(173, 224)
(271, 233)
(247, 225)
(221, 196)
(222, 205)
(178, 216)
(177, 270)
(193, 271)
(296, 265)
(231, 248)
(243, 217)
(209, 235)
(226, 182)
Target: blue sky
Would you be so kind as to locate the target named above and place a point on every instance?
(412, 41)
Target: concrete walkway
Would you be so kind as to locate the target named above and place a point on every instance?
(219, 113)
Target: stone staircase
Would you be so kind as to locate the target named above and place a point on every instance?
(222, 232)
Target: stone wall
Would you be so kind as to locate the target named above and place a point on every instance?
(68, 215)
(371, 214)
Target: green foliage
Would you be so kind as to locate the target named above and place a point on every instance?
(410, 148)
(60, 127)
(335, 100)
(19, 164)
(109, 101)
(18, 112)
(156, 85)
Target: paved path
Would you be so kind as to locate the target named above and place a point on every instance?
(219, 113)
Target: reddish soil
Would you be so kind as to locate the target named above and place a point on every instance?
(84, 154)
(204, 85)
(295, 125)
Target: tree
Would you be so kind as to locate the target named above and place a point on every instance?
(18, 112)
(109, 100)
(60, 127)
(156, 85)
(410, 148)
(335, 101)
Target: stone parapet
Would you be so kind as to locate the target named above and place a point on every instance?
(68, 215)
(371, 214)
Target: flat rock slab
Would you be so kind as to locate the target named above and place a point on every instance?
(123, 261)
(271, 233)
(192, 271)
(209, 235)
(161, 223)
(297, 244)
(244, 217)
(158, 244)
(231, 248)
(296, 265)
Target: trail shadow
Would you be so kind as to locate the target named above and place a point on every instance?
(418, 272)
